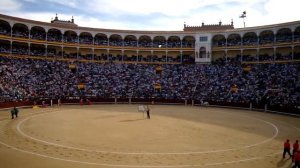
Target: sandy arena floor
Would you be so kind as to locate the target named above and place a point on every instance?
(119, 136)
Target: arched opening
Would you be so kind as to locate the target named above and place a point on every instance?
(202, 52)
(266, 37)
(159, 42)
(297, 34)
(37, 33)
(284, 35)
(250, 39)
(234, 40)
(54, 35)
(188, 42)
(20, 30)
(70, 37)
(174, 42)
(145, 41)
(85, 38)
(219, 41)
(115, 40)
(130, 40)
(101, 39)
(4, 28)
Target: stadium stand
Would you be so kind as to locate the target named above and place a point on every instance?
(212, 63)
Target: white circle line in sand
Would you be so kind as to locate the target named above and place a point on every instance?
(144, 166)
(149, 153)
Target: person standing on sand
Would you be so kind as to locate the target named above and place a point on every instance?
(286, 148)
(295, 148)
(297, 159)
(14, 112)
(148, 113)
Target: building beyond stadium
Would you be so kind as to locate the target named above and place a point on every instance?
(200, 44)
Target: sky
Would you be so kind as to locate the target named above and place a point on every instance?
(166, 15)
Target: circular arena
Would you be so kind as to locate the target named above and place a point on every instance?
(120, 136)
(218, 96)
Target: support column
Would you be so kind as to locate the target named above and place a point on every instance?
(46, 38)
(62, 51)
(122, 55)
(29, 33)
(226, 53)
(11, 46)
(107, 55)
(180, 43)
(166, 56)
(93, 52)
(29, 46)
(257, 54)
(77, 56)
(242, 54)
(274, 57)
(46, 50)
(181, 56)
(293, 52)
(151, 55)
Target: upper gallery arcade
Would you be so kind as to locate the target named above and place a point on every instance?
(201, 44)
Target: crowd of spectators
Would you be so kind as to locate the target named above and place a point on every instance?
(276, 84)
(4, 31)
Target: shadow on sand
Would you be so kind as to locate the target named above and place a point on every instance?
(283, 163)
(132, 120)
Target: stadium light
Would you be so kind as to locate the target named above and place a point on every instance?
(243, 16)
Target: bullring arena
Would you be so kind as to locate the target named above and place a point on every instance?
(119, 136)
(186, 77)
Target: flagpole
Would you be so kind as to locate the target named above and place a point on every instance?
(243, 16)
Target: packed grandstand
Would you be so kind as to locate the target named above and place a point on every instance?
(213, 63)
